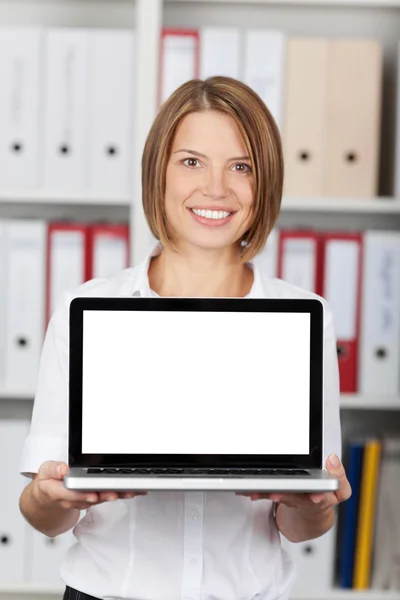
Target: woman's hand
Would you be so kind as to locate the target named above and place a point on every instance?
(312, 502)
(50, 490)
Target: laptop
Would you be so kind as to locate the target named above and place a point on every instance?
(196, 394)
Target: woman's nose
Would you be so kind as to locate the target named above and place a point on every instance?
(216, 185)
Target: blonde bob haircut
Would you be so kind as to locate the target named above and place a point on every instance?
(260, 135)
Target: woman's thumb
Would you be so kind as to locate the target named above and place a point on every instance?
(53, 470)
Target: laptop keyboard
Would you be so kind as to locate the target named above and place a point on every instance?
(193, 472)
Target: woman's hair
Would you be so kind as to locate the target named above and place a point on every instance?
(261, 137)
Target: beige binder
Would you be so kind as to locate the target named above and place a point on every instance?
(304, 131)
(354, 112)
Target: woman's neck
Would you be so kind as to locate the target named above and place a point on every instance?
(199, 274)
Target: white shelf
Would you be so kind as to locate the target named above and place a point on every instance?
(16, 394)
(34, 589)
(39, 196)
(348, 401)
(372, 3)
(382, 205)
(346, 595)
(373, 402)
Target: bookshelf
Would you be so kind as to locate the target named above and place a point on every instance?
(353, 17)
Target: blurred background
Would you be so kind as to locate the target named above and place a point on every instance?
(80, 84)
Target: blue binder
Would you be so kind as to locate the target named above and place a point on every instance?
(350, 514)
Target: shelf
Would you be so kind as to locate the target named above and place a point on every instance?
(348, 401)
(373, 402)
(54, 590)
(39, 196)
(382, 205)
(16, 394)
(346, 595)
(370, 3)
(32, 589)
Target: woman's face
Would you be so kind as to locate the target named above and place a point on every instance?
(209, 183)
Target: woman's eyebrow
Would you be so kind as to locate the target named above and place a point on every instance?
(200, 155)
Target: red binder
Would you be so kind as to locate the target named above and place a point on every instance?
(300, 258)
(67, 261)
(343, 257)
(184, 34)
(108, 250)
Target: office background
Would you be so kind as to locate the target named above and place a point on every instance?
(81, 82)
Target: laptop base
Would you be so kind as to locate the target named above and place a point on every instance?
(316, 481)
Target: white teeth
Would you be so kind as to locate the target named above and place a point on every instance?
(211, 214)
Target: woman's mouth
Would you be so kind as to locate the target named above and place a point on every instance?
(212, 218)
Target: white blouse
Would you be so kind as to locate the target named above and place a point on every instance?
(169, 545)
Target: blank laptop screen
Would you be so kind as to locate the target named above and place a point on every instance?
(166, 382)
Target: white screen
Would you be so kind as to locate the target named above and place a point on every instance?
(195, 382)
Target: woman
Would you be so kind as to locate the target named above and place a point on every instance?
(212, 187)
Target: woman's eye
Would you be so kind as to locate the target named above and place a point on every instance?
(242, 168)
(191, 162)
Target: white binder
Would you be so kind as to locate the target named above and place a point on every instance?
(220, 51)
(25, 293)
(264, 71)
(111, 106)
(315, 562)
(65, 126)
(267, 260)
(299, 261)
(3, 305)
(380, 314)
(179, 61)
(45, 556)
(13, 527)
(21, 82)
(66, 265)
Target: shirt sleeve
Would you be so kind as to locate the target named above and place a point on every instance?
(332, 428)
(48, 434)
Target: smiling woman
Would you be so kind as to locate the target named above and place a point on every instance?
(212, 187)
(212, 175)
(214, 148)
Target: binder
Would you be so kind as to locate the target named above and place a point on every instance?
(180, 57)
(66, 110)
(67, 265)
(267, 259)
(353, 118)
(13, 527)
(3, 305)
(26, 251)
(220, 50)
(342, 289)
(111, 105)
(349, 514)
(264, 70)
(109, 250)
(315, 562)
(366, 517)
(300, 260)
(304, 133)
(45, 557)
(21, 82)
(380, 325)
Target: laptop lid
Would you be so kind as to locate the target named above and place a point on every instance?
(216, 382)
